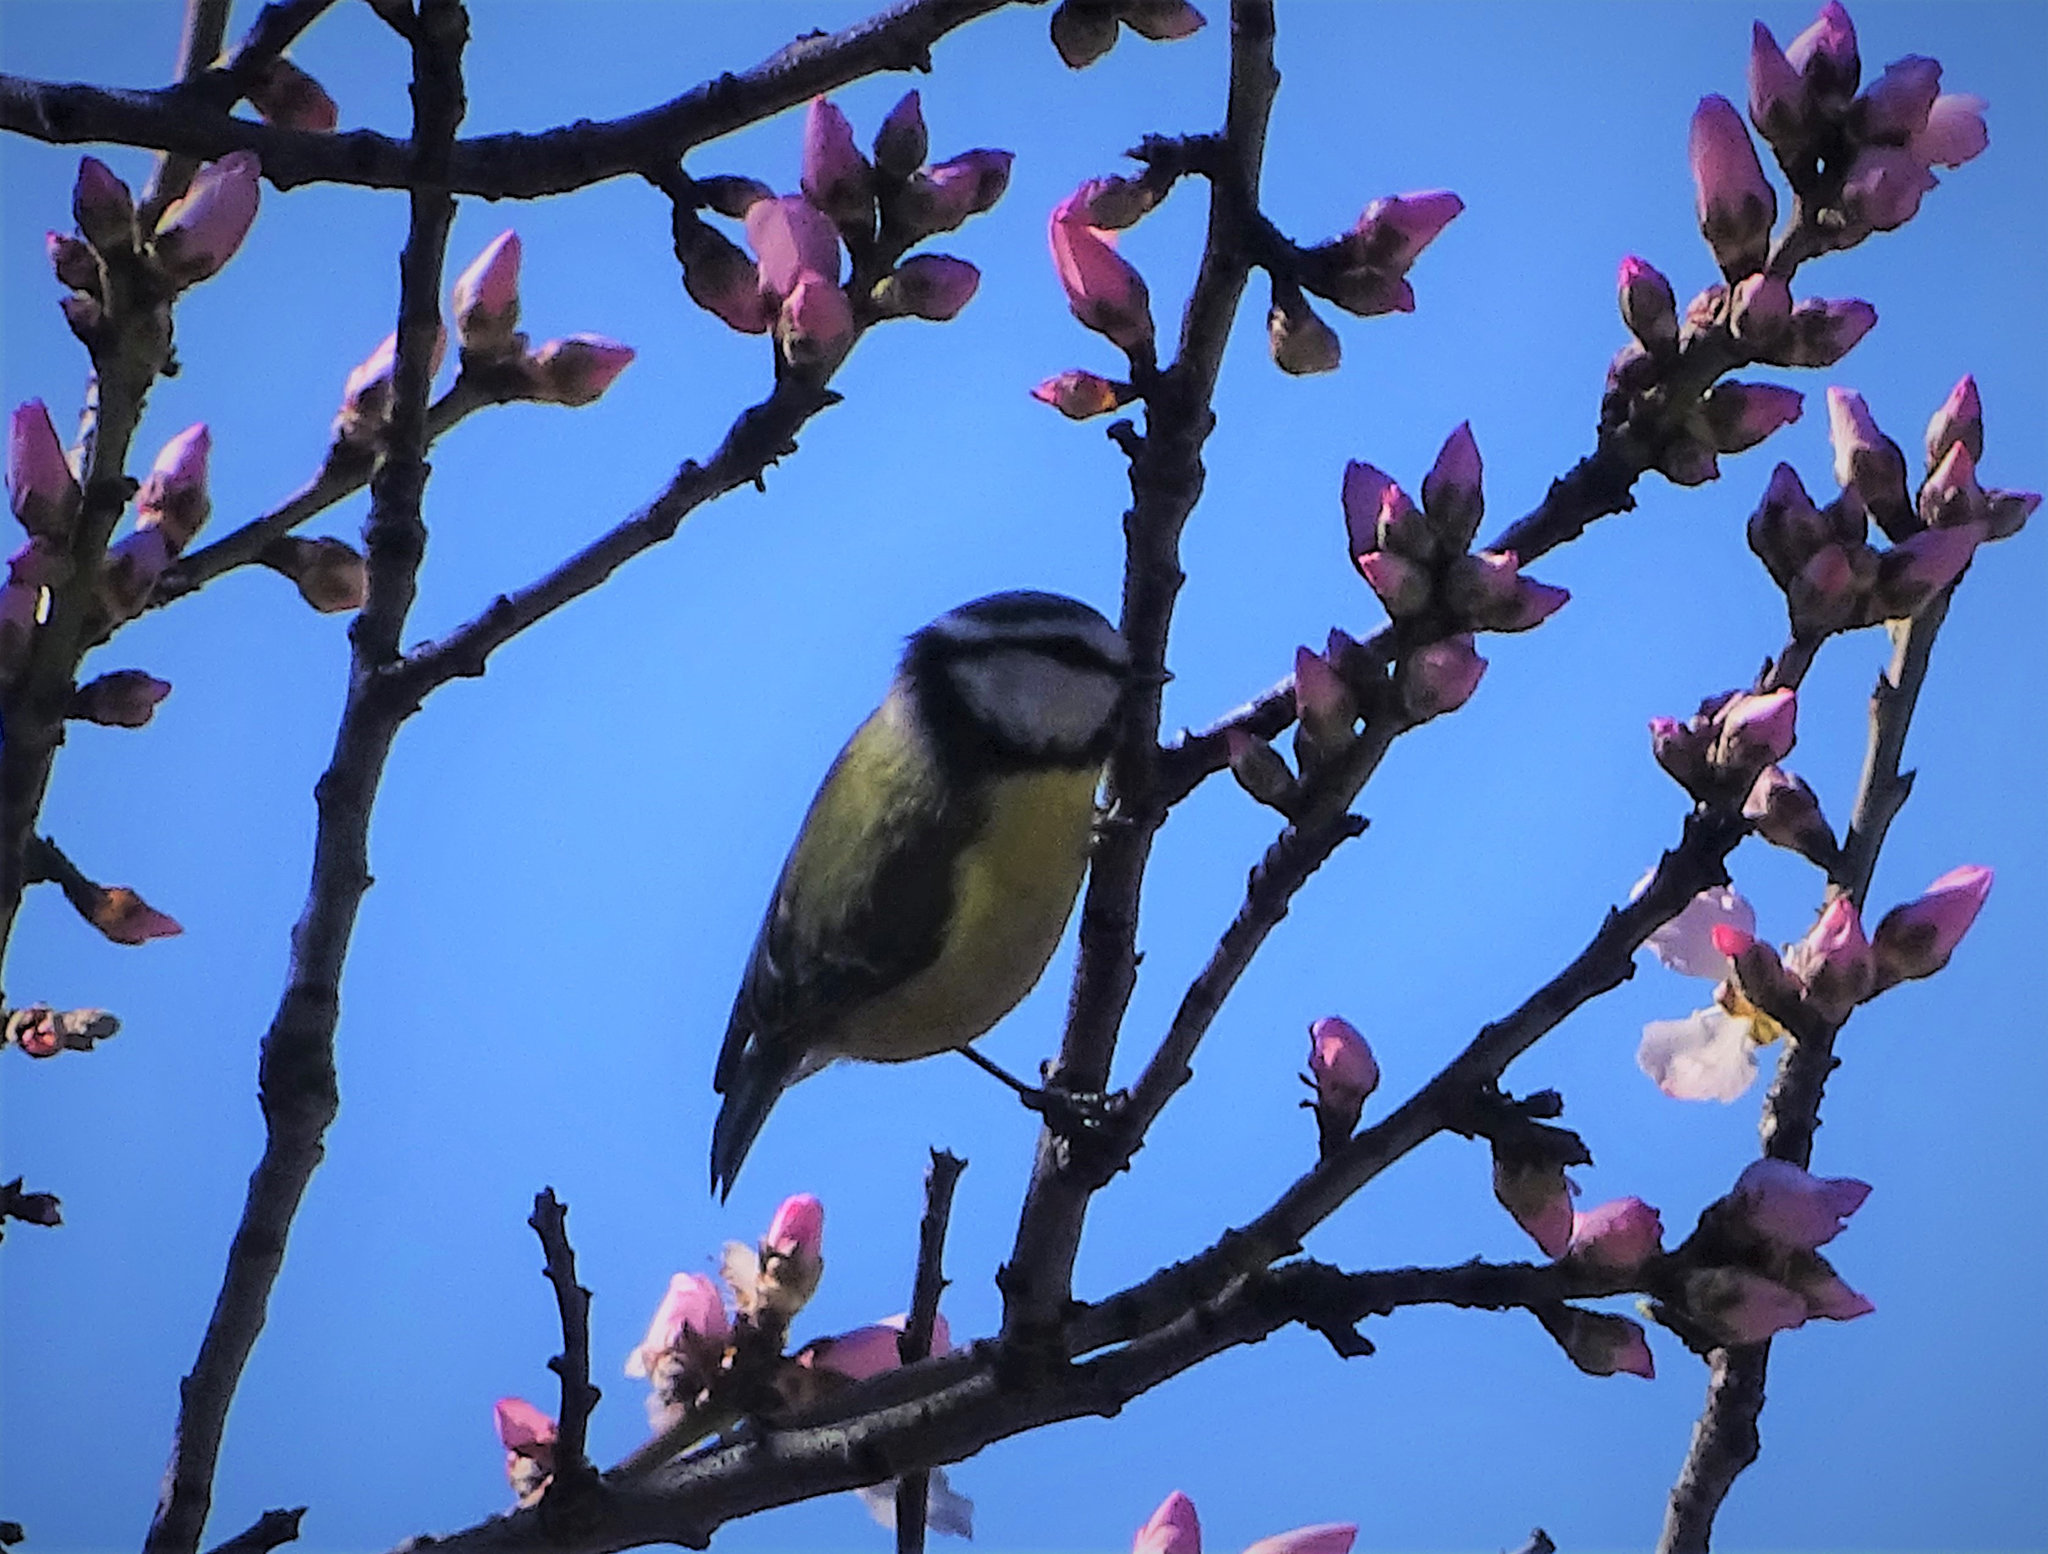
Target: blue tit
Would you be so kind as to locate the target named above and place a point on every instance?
(939, 862)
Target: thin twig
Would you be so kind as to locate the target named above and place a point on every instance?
(550, 1221)
(914, 1489)
(297, 1072)
(265, 1533)
(510, 166)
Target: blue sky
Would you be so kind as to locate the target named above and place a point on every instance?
(572, 852)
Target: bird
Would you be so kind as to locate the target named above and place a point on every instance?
(939, 861)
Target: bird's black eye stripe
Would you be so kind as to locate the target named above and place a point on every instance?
(1061, 649)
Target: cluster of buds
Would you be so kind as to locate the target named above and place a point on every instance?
(1753, 1266)
(1175, 1529)
(1342, 1072)
(528, 1436)
(1833, 578)
(1365, 271)
(1711, 1054)
(1085, 30)
(1862, 163)
(45, 499)
(1719, 752)
(43, 1032)
(169, 510)
(1619, 1239)
(879, 209)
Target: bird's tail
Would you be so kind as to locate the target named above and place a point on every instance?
(751, 1078)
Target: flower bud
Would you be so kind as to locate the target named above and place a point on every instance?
(1833, 962)
(1078, 395)
(1785, 812)
(1786, 528)
(1403, 586)
(577, 370)
(1959, 420)
(1820, 333)
(1598, 1343)
(126, 698)
(1912, 572)
(486, 301)
(1618, 1237)
(1883, 188)
(792, 1259)
(1950, 497)
(40, 487)
(1831, 592)
(1896, 106)
(1681, 749)
(1082, 32)
(1343, 1072)
(103, 207)
(1752, 731)
(1105, 293)
(731, 195)
(1955, 131)
(815, 326)
(1759, 310)
(1300, 342)
(1322, 1538)
(957, 188)
(366, 394)
(1916, 940)
(2008, 511)
(1791, 1209)
(1392, 232)
(1379, 516)
(1868, 462)
(1323, 703)
(723, 281)
(528, 1436)
(1825, 54)
(128, 574)
(1162, 21)
(1479, 586)
(1260, 770)
(1439, 677)
(685, 1339)
(1777, 94)
(793, 239)
(933, 286)
(1741, 415)
(1756, 972)
(901, 144)
(836, 177)
(1736, 204)
(73, 262)
(1539, 1197)
(126, 918)
(330, 575)
(201, 231)
(1172, 1529)
(289, 98)
(1648, 306)
(174, 498)
(1451, 493)
(1736, 1306)
(1824, 1292)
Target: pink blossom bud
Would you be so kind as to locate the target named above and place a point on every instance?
(1912, 572)
(1760, 309)
(872, 1350)
(331, 575)
(40, 487)
(1896, 106)
(126, 698)
(798, 1228)
(1113, 203)
(901, 144)
(1833, 962)
(528, 1436)
(1451, 493)
(486, 300)
(126, 918)
(1828, 1297)
(1786, 528)
(577, 370)
(1597, 1343)
(1741, 415)
(1403, 586)
(793, 239)
(1739, 1307)
(1884, 187)
(1172, 1529)
(1959, 420)
(1162, 21)
(723, 281)
(1259, 769)
(1105, 293)
(1689, 943)
(129, 573)
(1790, 1208)
(1950, 496)
(1820, 333)
(1323, 1538)
(2008, 512)
(1752, 731)
(366, 394)
(1536, 1193)
(1300, 342)
(1736, 204)
(1083, 33)
(1368, 293)
(72, 262)
(1681, 749)
(957, 188)
(1392, 232)
(1439, 677)
(836, 177)
(1322, 700)
(103, 207)
(1916, 940)
(200, 232)
(289, 98)
(1867, 461)
(174, 498)
(1343, 1072)
(1648, 306)
(1620, 1236)
(690, 1320)
(933, 286)
(1785, 812)
(1955, 131)
(815, 325)
(1825, 53)
(1777, 94)
(1367, 495)
(1078, 395)
(1756, 970)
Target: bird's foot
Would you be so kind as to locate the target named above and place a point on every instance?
(1075, 1115)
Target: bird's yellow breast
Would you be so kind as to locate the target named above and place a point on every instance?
(1014, 888)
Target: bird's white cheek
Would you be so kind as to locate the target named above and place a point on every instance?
(1034, 701)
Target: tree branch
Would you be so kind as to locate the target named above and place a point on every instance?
(264, 1534)
(550, 1221)
(914, 1489)
(190, 121)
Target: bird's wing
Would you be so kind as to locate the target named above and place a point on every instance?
(862, 902)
